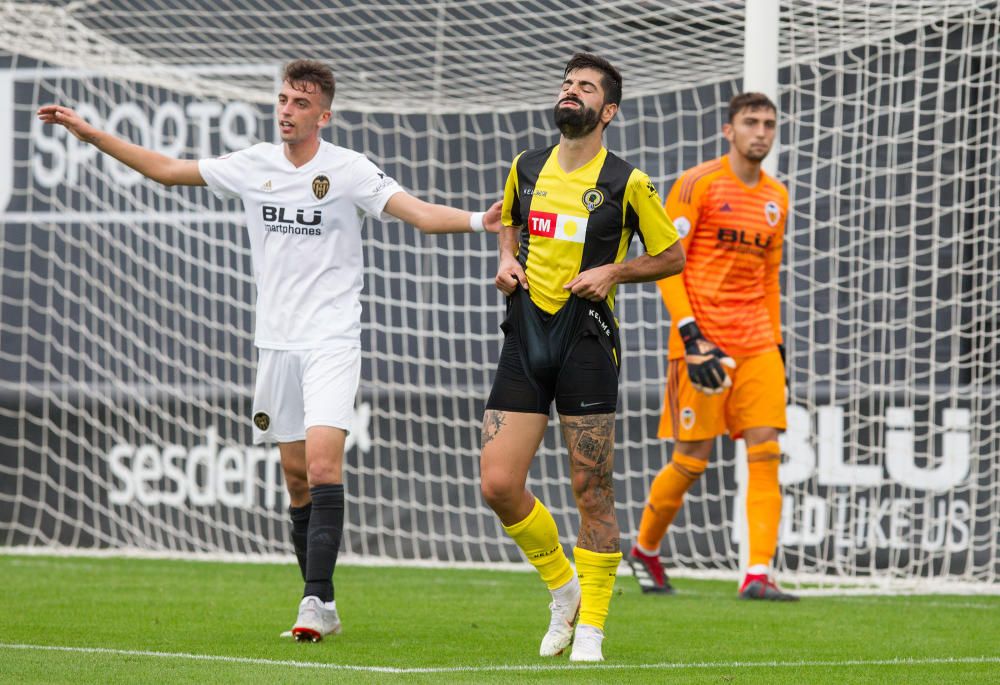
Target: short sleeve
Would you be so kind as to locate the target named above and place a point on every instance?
(684, 204)
(372, 188)
(654, 226)
(226, 175)
(511, 212)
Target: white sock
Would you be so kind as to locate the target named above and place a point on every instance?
(566, 592)
(757, 570)
(584, 628)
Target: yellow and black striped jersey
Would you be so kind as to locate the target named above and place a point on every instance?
(576, 221)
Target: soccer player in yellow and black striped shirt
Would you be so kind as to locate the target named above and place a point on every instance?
(569, 213)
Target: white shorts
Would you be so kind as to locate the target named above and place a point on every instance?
(297, 389)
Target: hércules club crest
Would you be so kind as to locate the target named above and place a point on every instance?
(321, 186)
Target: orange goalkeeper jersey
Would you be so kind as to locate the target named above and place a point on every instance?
(732, 236)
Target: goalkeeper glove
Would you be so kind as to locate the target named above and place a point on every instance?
(705, 361)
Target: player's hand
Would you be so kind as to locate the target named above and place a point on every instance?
(705, 361)
(594, 284)
(64, 116)
(510, 274)
(491, 219)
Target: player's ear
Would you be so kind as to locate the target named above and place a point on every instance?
(608, 112)
(325, 117)
(727, 131)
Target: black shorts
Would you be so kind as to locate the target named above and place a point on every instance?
(572, 357)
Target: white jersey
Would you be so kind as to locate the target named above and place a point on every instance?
(305, 238)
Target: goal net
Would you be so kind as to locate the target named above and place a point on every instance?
(126, 355)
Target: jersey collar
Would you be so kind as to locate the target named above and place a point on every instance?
(761, 182)
(598, 161)
(291, 167)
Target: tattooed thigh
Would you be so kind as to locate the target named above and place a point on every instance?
(591, 443)
(493, 421)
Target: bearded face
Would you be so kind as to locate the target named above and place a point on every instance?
(575, 121)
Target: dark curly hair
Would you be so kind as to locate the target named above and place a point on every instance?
(311, 71)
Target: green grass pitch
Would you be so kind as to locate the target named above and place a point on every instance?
(103, 620)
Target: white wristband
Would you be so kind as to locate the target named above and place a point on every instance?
(684, 321)
(476, 222)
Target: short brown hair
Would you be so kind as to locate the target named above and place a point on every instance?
(311, 71)
(611, 79)
(744, 101)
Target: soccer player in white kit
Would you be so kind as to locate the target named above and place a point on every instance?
(304, 200)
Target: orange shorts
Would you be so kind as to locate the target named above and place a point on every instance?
(755, 400)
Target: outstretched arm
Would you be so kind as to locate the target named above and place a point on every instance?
(151, 164)
(432, 218)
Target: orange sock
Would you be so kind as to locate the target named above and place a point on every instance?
(763, 501)
(666, 494)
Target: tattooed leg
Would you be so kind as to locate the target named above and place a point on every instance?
(510, 440)
(493, 421)
(591, 443)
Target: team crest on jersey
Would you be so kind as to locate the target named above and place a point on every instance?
(772, 213)
(687, 418)
(321, 186)
(592, 199)
(261, 420)
(683, 226)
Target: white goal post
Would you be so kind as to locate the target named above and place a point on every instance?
(126, 356)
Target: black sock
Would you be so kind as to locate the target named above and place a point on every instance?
(300, 533)
(326, 526)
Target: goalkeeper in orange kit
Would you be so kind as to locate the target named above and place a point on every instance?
(726, 359)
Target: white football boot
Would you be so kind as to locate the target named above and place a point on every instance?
(565, 609)
(587, 644)
(315, 620)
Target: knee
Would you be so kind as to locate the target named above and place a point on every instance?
(690, 468)
(297, 484)
(321, 472)
(499, 491)
(766, 451)
(298, 492)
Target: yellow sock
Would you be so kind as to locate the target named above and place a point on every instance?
(538, 538)
(597, 573)
(666, 494)
(763, 501)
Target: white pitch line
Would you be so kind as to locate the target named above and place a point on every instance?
(507, 667)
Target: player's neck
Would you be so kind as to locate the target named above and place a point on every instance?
(576, 152)
(745, 169)
(302, 153)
